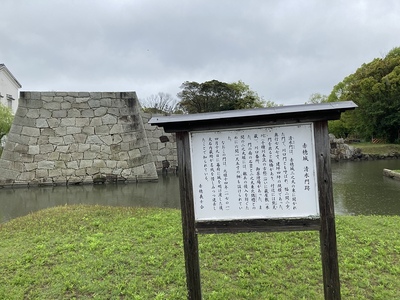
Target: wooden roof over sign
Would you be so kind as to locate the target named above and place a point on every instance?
(253, 117)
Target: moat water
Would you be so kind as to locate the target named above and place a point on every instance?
(358, 188)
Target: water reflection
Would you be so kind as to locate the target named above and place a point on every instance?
(22, 201)
(358, 188)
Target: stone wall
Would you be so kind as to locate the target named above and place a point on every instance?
(162, 144)
(339, 150)
(71, 137)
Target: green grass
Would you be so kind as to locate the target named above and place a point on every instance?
(381, 149)
(93, 252)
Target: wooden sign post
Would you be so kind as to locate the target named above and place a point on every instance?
(257, 170)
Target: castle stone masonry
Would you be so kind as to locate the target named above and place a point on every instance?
(78, 137)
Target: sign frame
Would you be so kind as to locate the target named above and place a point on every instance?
(318, 115)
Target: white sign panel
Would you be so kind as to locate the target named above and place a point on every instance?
(254, 173)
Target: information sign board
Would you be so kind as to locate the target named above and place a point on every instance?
(254, 173)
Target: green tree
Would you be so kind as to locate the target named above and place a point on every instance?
(317, 98)
(215, 95)
(6, 118)
(375, 88)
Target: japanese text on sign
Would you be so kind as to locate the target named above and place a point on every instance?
(254, 173)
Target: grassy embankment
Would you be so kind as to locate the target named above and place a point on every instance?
(381, 149)
(92, 252)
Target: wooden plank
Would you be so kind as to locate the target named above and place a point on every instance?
(190, 241)
(257, 225)
(330, 265)
(253, 117)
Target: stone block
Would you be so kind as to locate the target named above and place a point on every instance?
(26, 158)
(102, 130)
(81, 122)
(33, 113)
(113, 111)
(92, 171)
(54, 156)
(47, 98)
(95, 95)
(55, 173)
(59, 164)
(77, 155)
(101, 111)
(94, 139)
(116, 129)
(72, 165)
(53, 122)
(60, 131)
(86, 163)
(65, 156)
(47, 148)
(134, 153)
(34, 103)
(45, 164)
(41, 123)
(47, 131)
(80, 137)
(88, 130)
(21, 148)
(87, 113)
(23, 121)
(56, 140)
(33, 149)
(53, 106)
(89, 155)
(111, 163)
(81, 105)
(62, 148)
(122, 164)
(116, 139)
(83, 99)
(42, 140)
(59, 113)
(83, 147)
(73, 113)
(21, 111)
(30, 131)
(80, 172)
(42, 173)
(44, 113)
(66, 105)
(26, 176)
(109, 119)
(99, 163)
(68, 172)
(30, 166)
(105, 149)
(96, 122)
(107, 139)
(73, 129)
(17, 129)
(68, 122)
(69, 139)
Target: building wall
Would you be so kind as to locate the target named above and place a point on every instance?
(71, 137)
(8, 87)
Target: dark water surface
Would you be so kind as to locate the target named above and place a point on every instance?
(359, 188)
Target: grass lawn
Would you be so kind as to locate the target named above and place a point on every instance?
(382, 149)
(94, 252)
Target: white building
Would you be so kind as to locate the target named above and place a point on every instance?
(9, 89)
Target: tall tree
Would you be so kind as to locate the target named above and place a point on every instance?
(215, 95)
(6, 118)
(162, 103)
(375, 88)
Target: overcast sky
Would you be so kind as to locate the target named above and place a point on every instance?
(284, 50)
